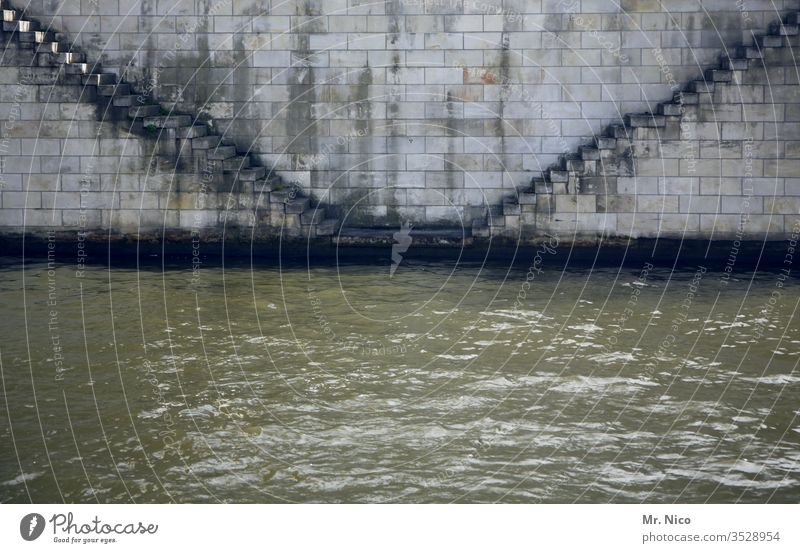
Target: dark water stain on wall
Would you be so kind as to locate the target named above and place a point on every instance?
(301, 123)
(396, 196)
(149, 74)
(199, 85)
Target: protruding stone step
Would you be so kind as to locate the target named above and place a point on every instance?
(670, 110)
(605, 142)
(99, 78)
(251, 174)
(574, 164)
(719, 75)
(222, 153)
(702, 86)
(71, 57)
(526, 198)
(735, 64)
(749, 53)
(205, 142)
(297, 205)
(619, 131)
(686, 98)
(769, 41)
(328, 227)
(542, 187)
(236, 163)
(114, 89)
(43, 37)
(590, 154)
(57, 47)
(559, 176)
(784, 29)
(79, 68)
(646, 120)
(142, 111)
(27, 39)
(511, 208)
(124, 101)
(21, 25)
(312, 216)
(167, 121)
(26, 26)
(9, 14)
(192, 131)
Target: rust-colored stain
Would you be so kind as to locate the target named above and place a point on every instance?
(488, 77)
(466, 74)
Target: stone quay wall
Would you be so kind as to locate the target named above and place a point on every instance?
(428, 112)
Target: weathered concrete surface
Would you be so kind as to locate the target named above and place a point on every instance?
(402, 111)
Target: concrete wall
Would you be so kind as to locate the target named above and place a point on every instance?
(430, 111)
(417, 109)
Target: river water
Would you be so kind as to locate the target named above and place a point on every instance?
(439, 382)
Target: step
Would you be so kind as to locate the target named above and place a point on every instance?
(646, 120)
(114, 89)
(205, 142)
(71, 57)
(192, 131)
(328, 227)
(57, 47)
(526, 198)
(619, 131)
(735, 64)
(786, 29)
(124, 101)
(236, 164)
(312, 216)
(79, 68)
(44, 37)
(749, 53)
(281, 195)
(686, 98)
(590, 154)
(541, 186)
(605, 143)
(10, 14)
(574, 165)
(22, 26)
(99, 78)
(671, 109)
(221, 153)
(26, 26)
(719, 75)
(27, 37)
(167, 121)
(559, 176)
(702, 86)
(270, 184)
(251, 174)
(511, 208)
(297, 205)
(769, 41)
(139, 112)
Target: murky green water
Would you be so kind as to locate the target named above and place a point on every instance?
(442, 383)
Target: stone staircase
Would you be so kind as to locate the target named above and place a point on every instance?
(184, 145)
(592, 172)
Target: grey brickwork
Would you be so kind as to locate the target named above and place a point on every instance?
(441, 112)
